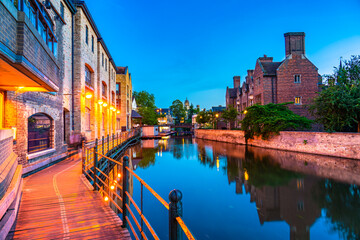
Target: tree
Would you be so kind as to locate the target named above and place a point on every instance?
(262, 120)
(178, 110)
(146, 107)
(338, 106)
(229, 115)
(203, 117)
(190, 113)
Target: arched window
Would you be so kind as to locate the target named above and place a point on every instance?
(40, 132)
(88, 77)
(104, 90)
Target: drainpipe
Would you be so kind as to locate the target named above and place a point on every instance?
(72, 73)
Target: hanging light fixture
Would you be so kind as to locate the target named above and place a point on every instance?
(105, 104)
(100, 102)
(88, 95)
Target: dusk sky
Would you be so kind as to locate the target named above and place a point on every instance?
(178, 49)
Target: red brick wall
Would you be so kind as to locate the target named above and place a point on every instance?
(287, 90)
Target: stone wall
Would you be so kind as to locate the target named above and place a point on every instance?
(345, 145)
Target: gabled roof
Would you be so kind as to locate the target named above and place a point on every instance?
(269, 68)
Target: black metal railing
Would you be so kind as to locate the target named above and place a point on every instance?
(111, 178)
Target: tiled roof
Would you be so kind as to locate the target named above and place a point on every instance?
(270, 67)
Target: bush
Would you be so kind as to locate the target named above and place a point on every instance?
(262, 120)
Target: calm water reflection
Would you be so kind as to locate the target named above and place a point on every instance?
(233, 192)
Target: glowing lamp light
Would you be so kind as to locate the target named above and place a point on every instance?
(111, 108)
(246, 176)
(106, 199)
(118, 111)
(114, 110)
(216, 115)
(14, 132)
(88, 95)
(105, 104)
(112, 187)
(245, 112)
(100, 102)
(119, 175)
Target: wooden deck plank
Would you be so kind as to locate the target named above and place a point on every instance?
(57, 205)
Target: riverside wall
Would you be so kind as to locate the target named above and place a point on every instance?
(344, 145)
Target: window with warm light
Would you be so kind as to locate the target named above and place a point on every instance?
(297, 100)
(40, 132)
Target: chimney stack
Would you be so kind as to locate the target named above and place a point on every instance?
(236, 81)
(294, 43)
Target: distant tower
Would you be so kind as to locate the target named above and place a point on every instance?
(187, 104)
(294, 43)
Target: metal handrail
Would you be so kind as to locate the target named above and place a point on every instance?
(91, 165)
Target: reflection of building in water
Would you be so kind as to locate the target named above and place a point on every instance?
(293, 204)
(280, 195)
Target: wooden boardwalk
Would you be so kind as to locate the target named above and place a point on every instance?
(56, 204)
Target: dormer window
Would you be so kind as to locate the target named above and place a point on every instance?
(297, 78)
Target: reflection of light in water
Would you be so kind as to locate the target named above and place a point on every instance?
(246, 175)
(158, 153)
(217, 163)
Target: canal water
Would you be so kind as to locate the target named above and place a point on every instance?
(237, 192)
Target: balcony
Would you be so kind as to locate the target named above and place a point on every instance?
(28, 47)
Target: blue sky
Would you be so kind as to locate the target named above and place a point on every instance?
(177, 49)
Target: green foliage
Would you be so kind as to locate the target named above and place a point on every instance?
(230, 114)
(204, 117)
(338, 106)
(146, 107)
(178, 110)
(190, 113)
(262, 120)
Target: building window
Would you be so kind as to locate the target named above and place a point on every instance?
(297, 78)
(118, 89)
(113, 97)
(105, 64)
(86, 34)
(117, 123)
(40, 130)
(62, 10)
(104, 90)
(102, 59)
(300, 206)
(92, 43)
(297, 100)
(259, 81)
(88, 77)
(87, 118)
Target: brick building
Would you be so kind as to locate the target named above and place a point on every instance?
(295, 79)
(57, 79)
(124, 100)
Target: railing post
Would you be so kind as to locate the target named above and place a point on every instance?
(108, 143)
(103, 145)
(125, 175)
(95, 163)
(82, 157)
(175, 210)
(113, 140)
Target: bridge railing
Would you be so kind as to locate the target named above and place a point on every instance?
(113, 184)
